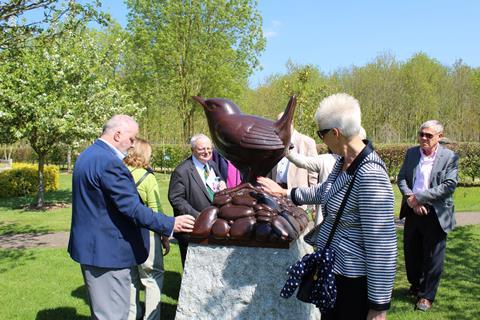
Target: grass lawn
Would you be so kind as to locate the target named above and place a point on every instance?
(46, 284)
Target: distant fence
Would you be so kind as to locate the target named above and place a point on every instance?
(5, 164)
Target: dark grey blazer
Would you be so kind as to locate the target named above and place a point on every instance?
(443, 181)
(187, 192)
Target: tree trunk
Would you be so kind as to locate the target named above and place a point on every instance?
(69, 160)
(40, 201)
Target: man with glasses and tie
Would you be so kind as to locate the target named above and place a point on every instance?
(193, 184)
(427, 180)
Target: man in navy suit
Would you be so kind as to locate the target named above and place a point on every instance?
(192, 185)
(427, 180)
(109, 232)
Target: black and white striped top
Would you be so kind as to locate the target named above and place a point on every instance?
(365, 241)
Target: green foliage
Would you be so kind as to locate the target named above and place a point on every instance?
(310, 87)
(22, 180)
(468, 152)
(168, 156)
(469, 159)
(178, 49)
(61, 92)
(393, 156)
(395, 97)
(16, 30)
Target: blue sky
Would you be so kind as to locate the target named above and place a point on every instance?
(339, 34)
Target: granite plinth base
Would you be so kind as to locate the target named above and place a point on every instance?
(231, 282)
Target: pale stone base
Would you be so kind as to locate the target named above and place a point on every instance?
(228, 282)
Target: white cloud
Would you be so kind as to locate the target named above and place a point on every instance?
(272, 30)
(270, 34)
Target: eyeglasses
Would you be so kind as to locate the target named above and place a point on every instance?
(322, 133)
(425, 135)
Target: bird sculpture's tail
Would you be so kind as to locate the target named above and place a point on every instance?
(283, 125)
(200, 100)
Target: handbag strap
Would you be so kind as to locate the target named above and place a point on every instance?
(344, 201)
(147, 172)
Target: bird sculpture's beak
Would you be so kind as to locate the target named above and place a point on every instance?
(200, 100)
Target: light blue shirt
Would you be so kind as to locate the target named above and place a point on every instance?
(115, 150)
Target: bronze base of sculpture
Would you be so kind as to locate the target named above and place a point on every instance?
(247, 216)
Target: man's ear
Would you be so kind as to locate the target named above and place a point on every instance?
(116, 136)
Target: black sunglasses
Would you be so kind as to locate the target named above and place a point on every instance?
(322, 133)
(425, 134)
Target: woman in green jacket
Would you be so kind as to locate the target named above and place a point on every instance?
(150, 273)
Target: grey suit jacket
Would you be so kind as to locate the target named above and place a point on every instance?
(443, 181)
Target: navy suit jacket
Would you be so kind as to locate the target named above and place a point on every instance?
(109, 221)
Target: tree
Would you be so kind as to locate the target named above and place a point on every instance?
(378, 89)
(61, 91)
(16, 29)
(310, 87)
(422, 79)
(193, 47)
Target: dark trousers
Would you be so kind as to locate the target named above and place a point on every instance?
(424, 243)
(352, 299)
(183, 246)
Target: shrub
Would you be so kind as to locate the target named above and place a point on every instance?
(168, 156)
(469, 153)
(22, 180)
(393, 155)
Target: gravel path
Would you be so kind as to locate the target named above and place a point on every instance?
(60, 239)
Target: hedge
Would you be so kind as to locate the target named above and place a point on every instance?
(22, 180)
(393, 155)
(167, 156)
(468, 152)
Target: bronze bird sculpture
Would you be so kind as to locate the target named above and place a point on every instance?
(253, 144)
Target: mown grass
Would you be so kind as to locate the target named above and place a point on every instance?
(457, 296)
(46, 284)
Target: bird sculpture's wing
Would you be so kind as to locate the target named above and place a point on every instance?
(261, 135)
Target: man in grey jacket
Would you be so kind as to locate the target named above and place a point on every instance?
(427, 180)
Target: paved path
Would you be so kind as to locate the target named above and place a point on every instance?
(60, 239)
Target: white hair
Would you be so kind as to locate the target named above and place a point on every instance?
(340, 111)
(119, 121)
(362, 133)
(434, 124)
(200, 136)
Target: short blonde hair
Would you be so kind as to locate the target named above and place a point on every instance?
(140, 154)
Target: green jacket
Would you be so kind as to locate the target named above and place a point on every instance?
(148, 188)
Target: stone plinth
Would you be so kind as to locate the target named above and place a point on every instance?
(230, 282)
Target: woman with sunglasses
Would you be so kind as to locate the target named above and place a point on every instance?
(364, 241)
(322, 164)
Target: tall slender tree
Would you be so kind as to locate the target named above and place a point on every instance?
(192, 47)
